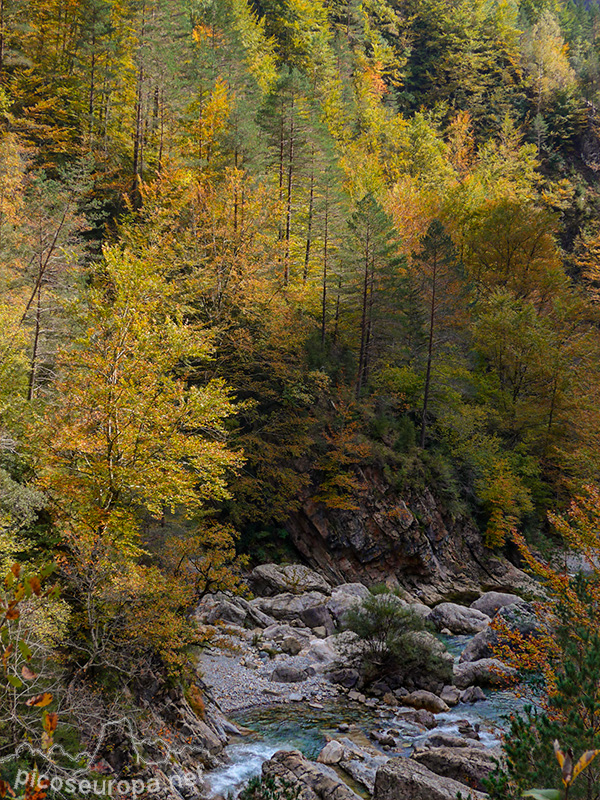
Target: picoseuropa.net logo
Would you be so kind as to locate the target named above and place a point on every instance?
(59, 773)
(103, 787)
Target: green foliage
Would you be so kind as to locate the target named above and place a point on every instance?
(385, 626)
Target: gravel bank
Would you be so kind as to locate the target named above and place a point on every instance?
(239, 678)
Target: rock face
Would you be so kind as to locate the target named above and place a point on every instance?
(308, 781)
(468, 765)
(406, 779)
(485, 672)
(432, 554)
(332, 753)
(458, 619)
(269, 579)
(491, 602)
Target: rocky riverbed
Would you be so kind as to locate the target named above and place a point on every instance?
(280, 666)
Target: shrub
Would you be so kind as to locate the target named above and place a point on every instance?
(386, 627)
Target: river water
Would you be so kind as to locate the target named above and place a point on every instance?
(297, 726)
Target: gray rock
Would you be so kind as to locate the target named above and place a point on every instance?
(491, 602)
(307, 780)
(421, 609)
(521, 617)
(458, 619)
(427, 700)
(332, 753)
(270, 579)
(279, 632)
(291, 645)
(421, 717)
(346, 676)
(480, 646)
(286, 673)
(224, 611)
(255, 615)
(288, 606)
(448, 740)
(345, 597)
(361, 762)
(468, 765)
(450, 695)
(473, 694)
(485, 672)
(318, 617)
(407, 779)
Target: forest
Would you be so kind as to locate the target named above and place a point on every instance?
(248, 247)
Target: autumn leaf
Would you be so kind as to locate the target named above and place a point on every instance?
(565, 761)
(28, 674)
(583, 761)
(50, 722)
(40, 700)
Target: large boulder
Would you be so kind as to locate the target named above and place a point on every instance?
(288, 606)
(270, 579)
(517, 617)
(480, 646)
(286, 673)
(406, 779)
(458, 619)
(296, 776)
(468, 765)
(485, 672)
(318, 617)
(224, 611)
(345, 597)
(361, 762)
(332, 753)
(427, 700)
(491, 602)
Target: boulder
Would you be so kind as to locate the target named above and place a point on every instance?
(485, 672)
(296, 776)
(279, 632)
(420, 609)
(421, 717)
(318, 617)
(345, 597)
(450, 695)
(270, 579)
(254, 615)
(286, 673)
(361, 762)
(521, 617)
(291, 645)
(518, 616)
(480, 646)
(468, 765)
(288, 606)
(491, 602)
(458, 619)
(448, 740)
(332, 753)
(346, 676)
(473, 694)
(224, 611)
(427, 700)
(407, 779)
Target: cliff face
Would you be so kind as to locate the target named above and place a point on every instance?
(406, 541)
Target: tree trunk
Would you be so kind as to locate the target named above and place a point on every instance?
(325, 254)
(363, 321)
(429, 353)
(310, 216)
